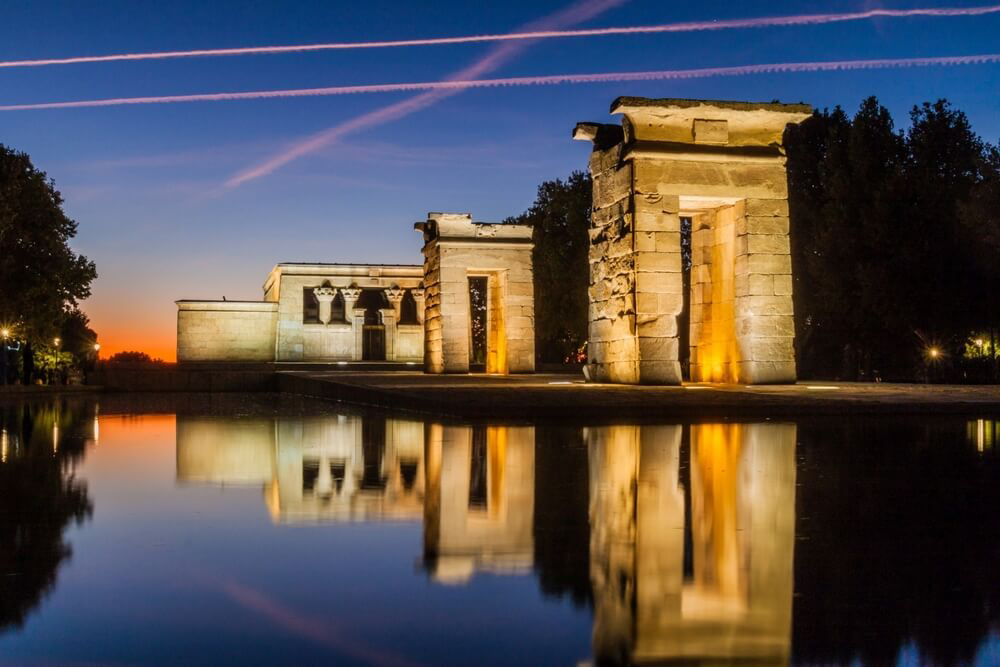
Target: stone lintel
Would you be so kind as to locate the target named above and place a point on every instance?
(460, 227)
(707, 122)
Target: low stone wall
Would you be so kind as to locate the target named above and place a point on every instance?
(226, 330)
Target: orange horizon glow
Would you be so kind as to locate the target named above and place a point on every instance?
(159, 345)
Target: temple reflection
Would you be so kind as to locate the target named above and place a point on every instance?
(690, 534)
(479, 508)
(731, 597)
(342, 468)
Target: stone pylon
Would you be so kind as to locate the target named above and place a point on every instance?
(721, 165)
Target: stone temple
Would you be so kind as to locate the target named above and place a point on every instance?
(690, 269)
(718, 167)
(469, 307)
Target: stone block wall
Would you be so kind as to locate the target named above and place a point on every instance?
(456, 249)
(646, 176)
(612, 346)
(226, 330)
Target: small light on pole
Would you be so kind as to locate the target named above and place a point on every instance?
(934, 352)
(57, 341)
(97, 347)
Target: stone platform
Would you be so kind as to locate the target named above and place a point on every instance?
(568, 397)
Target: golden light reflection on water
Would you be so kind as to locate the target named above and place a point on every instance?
(474, 489)
(737, 601)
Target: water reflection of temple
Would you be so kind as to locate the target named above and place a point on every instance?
(693, 571)
(691, 528)
(311, 468)
(479, 508)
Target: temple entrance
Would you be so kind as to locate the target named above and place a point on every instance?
(478, 322)
(373, 342)
(684, 318)
(373, 330)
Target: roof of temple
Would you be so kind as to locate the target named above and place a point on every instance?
(682, 103)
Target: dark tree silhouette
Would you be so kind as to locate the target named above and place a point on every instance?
(561, 220)
(39, 498)
(892, 239)
(41, 278)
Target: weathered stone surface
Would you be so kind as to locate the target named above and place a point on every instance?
(740, 312)
(455, 249)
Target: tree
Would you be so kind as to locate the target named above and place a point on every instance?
(40, 497)
(132, 357)
(894, 241)
(41, 279)
(560, 217)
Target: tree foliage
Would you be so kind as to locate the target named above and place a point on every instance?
(40, 497)
(41, 278)
(894, 239)
(560, 217)
(132, 357)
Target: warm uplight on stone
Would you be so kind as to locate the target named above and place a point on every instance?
(722, 165)
(737, 601)
(312, 312)
(456, 249)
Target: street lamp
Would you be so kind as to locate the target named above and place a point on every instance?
(57, 341)
(4, 334)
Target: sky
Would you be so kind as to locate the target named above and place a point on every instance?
(199, 200)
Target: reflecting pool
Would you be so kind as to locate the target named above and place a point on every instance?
(264, 530)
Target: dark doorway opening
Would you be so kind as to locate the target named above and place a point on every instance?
(372, 451)
(684, 319)
(478, 343)
(478, 469)
(373, 331)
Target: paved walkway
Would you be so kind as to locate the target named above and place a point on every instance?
(567, 396)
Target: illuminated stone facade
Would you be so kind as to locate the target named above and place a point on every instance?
(312, 312)
(480, 492)
(311, 469)
(457, 251)
(722, 166)
(733, 601)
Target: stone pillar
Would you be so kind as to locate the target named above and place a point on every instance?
(454, 244)
(325, 296)
(418, 297)
(395, 296)
(356, 316)
(723, 165)
(389, 322)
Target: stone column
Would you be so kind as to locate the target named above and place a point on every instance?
(356, 316)
(395, 296)
(418, 297)
(325, 296)
(389, 322)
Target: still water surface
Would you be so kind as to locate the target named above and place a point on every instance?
(260, 531)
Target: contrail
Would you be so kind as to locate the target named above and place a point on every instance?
(578, 12)
(690, 26)
(553, 79)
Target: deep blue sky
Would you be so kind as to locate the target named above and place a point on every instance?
(144, 182)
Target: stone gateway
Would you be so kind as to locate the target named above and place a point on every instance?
(717, 169)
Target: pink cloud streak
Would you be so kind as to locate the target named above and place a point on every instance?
(390, 112)
(494, 58)
(690, 26)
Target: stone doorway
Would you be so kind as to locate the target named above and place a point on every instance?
(478, 323)
(373, 329)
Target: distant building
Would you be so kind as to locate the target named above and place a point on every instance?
(480, 308)
(312, 312)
